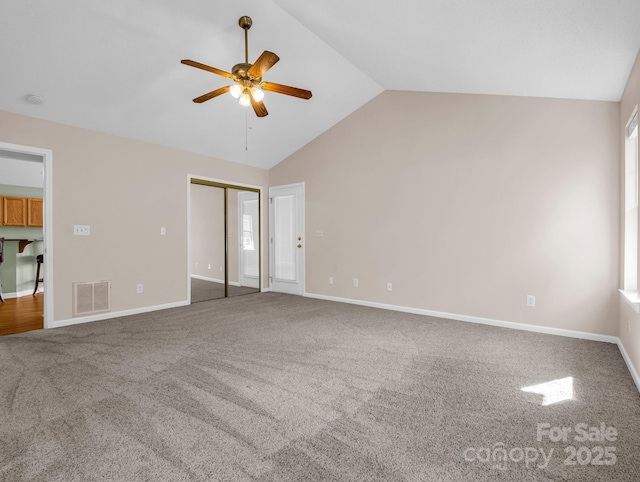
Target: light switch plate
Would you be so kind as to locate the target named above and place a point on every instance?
(81, 230)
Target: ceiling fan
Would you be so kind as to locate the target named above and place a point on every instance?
(249, 86)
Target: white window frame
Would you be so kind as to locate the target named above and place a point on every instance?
(630, 212)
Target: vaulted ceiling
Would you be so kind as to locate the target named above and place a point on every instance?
(115, 66)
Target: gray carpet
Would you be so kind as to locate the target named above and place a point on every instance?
(273, 387)
(202, 290)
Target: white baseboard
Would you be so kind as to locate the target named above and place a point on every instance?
(214, 280)
(115, 314)
(474, 319)
(20, 294)
(627, 360)
(502, 324)
(205, 278)
(405, 309)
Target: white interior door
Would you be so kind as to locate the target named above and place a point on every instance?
(249, 239)
(286, 238)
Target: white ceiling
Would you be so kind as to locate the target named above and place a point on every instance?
(115, 66)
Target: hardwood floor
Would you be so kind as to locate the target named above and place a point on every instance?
(22, 314)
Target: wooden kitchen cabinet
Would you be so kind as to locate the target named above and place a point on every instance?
(14, 211)
(35, 213)
(20, 211)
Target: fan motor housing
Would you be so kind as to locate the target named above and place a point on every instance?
(241, 71)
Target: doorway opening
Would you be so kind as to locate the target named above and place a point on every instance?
(224, 240)
(26, 226)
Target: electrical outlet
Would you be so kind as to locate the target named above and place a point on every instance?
(531, 300)
(208, 266)
(355, 282)
(196, 264)
(389, 287)
(139, 288)
(221, 270)
(163, 231)
(330, 280)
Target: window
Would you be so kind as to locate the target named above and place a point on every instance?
(631, 206)
(247, 232)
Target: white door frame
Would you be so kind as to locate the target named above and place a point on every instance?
(302, 230)
(47, 162)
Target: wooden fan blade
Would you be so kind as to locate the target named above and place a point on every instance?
(258, 107)
(286, 90)
(212, 94)
(264, 63)
(198, 65)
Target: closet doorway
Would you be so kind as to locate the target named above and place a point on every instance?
(224, 240)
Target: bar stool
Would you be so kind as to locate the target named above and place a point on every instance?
(39, 260)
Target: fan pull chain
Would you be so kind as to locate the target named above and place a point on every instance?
(246, 131)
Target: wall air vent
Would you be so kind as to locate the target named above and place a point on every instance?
(91, 297)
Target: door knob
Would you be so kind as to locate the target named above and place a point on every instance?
(299, 246)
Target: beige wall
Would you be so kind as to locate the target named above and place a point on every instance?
(629, 319)
(207, 231)
(126, 190)
(467, 204)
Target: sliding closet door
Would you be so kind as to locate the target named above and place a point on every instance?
(244, 242)
(207, 240)
(224, 240)
(248, 226)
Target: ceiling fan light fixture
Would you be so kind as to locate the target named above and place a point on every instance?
(257, 94)
(248, 86)
(235, 91)
(245, 101)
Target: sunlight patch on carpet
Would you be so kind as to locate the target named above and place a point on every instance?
(555, 391)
